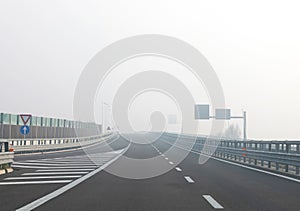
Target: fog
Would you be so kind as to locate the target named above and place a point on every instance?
(254, 48)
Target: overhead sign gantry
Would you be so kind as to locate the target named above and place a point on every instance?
(202, 112)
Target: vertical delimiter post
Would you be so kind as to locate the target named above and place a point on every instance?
(245, 125)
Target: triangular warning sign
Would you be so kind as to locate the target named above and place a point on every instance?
(25, 118)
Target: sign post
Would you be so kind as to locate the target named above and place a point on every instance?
(25, 130)
(202, 112)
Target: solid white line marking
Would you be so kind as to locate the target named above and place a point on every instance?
(67, 187)
(54, 173)
(171, 162)
(51, 164)
(36, 182)
(51, 167)
(178, 169)
(45, 177)
(66, 159)
(59, 162)
(51, 170)
(212, 202)
(189, 179)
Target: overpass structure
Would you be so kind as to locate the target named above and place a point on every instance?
(240, 175)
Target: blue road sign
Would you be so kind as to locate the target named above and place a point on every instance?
(24, 130)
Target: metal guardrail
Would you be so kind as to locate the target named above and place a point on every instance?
(25, 146)
(281, 156)
(6, 157)
(42, 145)
(275, 155)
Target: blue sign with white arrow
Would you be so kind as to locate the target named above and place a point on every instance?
(24, 130)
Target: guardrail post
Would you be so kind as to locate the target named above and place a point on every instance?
(297, 170)
(287, 148)
(277, 147)
(298, 148)
(277, 166)
(286, 168)
(6, 149)
(269, 164)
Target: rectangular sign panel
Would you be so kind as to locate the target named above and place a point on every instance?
(201, 111)
(223, 114)
(172, 119)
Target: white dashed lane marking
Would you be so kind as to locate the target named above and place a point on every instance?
(171, 162)
(212, 202)
(178, 169)
(189, 179)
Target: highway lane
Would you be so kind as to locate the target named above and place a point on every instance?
(188, 186)
(37, 175)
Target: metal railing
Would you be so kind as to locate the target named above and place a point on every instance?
(6, 157)
(275, 155)
(24, 146)
(281, 156)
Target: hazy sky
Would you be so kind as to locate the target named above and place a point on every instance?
(254, 47)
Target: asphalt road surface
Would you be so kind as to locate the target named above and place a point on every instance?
(77, 180)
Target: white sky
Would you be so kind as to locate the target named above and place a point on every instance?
(254, 47)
